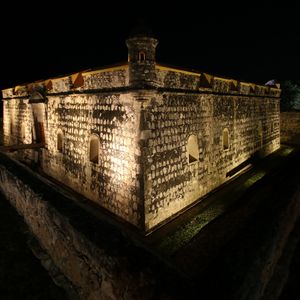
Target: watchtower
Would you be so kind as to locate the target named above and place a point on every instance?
(141, 58)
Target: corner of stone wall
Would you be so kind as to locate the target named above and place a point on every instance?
(143, 98)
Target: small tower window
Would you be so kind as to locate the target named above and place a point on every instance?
(192, 149)
(141, 56)
(225, 139)
(94, 149)
(60, 142)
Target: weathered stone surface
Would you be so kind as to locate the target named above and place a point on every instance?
(142, 114)
(290, 127)
(92, 254)
(171, 182)
(113, 182)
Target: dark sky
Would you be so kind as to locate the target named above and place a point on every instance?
(254, 42)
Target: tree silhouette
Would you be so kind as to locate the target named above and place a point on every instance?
(290, 95)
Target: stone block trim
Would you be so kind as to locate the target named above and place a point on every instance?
(114, 77)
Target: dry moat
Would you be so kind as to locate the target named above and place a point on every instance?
(237, 243)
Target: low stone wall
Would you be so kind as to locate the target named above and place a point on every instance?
(94, 255)
(290, 127)
(98, 260)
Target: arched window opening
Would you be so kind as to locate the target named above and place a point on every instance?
(60, 142)
(141, 56)
(94, 149)
(225, 139)
(192, 149)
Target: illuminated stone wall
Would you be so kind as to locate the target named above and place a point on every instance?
(78, 107)
(290, 127)
(113, 182)
(144, 115)
(177, 79)
(17, 118)
(170, 118)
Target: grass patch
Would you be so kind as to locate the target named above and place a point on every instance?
(286, 151)
(220, 202)
(182, 236)
(257, 176)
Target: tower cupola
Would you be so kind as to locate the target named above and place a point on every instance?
(141, 59)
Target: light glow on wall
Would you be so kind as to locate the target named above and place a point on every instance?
(121, 167)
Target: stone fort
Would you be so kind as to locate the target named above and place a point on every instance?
(141, 139)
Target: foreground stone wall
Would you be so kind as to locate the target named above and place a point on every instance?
(290, 127)
(102, 263)
(171, 181)
(91, 253)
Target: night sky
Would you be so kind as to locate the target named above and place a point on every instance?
(246, 41)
